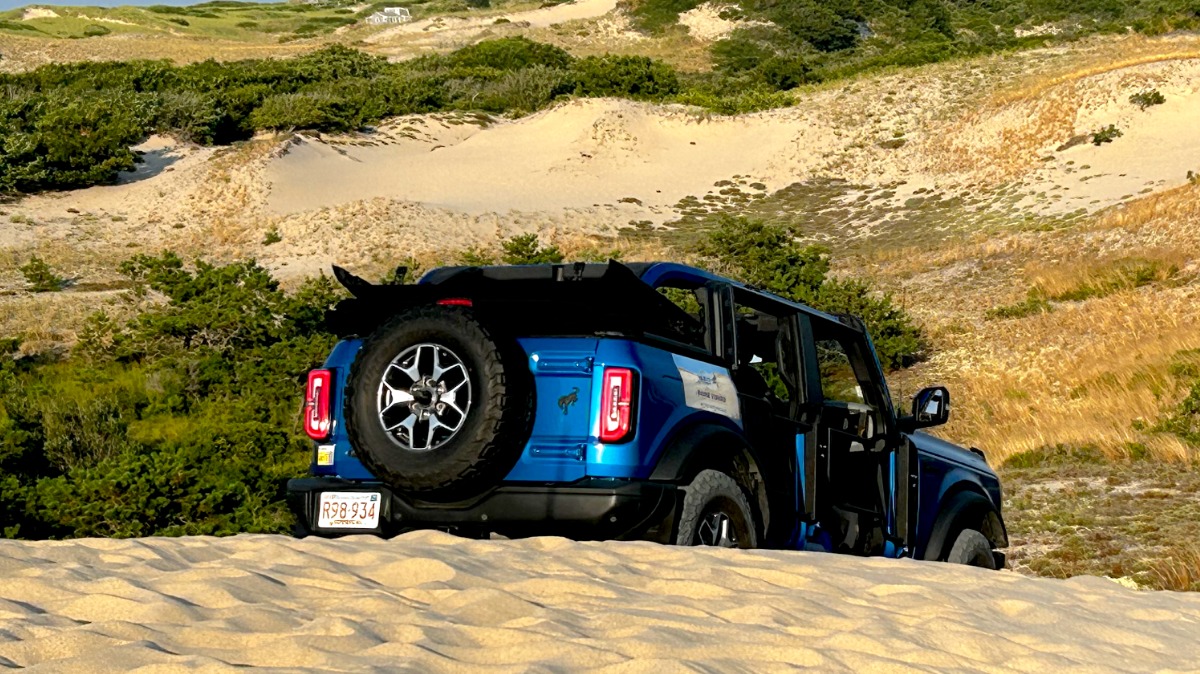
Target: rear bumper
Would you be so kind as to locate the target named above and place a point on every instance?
(589, 509)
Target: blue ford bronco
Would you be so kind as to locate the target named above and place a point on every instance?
(650, 401)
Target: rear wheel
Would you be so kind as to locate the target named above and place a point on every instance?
(716, 513)
(973, 549)
(434, 406)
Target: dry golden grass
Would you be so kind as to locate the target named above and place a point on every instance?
(1099, 57)
(1084, 373)
(25, 53)
(1003, 137)
(1179, 572)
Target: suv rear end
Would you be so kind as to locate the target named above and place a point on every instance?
(573, 394)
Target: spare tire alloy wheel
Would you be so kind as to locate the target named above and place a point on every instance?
(435, 406)
(424, 397)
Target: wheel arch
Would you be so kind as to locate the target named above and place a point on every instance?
(706, 445)
(964, 505)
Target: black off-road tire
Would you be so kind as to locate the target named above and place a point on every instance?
(713, 492)
(972, 548)
(491, 438)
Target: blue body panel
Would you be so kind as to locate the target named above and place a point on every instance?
(945, 468)
(564, 445)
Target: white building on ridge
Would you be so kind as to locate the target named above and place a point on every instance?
(390, 15)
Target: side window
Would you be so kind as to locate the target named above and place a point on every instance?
(838, 381)
(689, 323)
(852, 401)
(766, 351)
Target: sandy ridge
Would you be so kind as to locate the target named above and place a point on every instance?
(430, 602)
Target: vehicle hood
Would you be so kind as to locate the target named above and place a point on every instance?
(951, 452)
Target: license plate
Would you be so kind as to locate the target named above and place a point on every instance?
(349, 510)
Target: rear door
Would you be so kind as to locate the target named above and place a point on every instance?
(777, 413)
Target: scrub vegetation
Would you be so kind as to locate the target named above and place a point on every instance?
(71, 126)
(788, 44)
(184, 419)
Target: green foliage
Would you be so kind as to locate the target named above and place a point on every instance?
(768, 257)
(510, 53)
(181, 421)
(1147, 98)
(525, 249)
(1034, 303)
(800, 41)
(626, 76)
(40, 277)
(1106, 134)
(64, 140)
(94, 30)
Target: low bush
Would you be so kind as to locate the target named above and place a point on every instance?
(1148, 98)
(181, 421)
(1034, 303)
(93, 30)
(625, 76)
(40, 277)
(770, 258)
(510, 53)
(1106, 134)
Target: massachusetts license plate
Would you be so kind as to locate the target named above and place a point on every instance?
(349, 510)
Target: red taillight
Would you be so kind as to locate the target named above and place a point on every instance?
(455, 302)
(317, 420)
(616, 404)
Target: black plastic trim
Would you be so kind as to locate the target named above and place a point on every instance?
(590, 509)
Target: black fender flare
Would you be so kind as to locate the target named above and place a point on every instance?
(711, 445)
(964, 507)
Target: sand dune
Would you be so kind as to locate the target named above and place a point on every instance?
(580, 154)
(429, 602)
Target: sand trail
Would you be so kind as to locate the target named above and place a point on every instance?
(429, 602)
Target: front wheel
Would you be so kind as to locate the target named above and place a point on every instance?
(973, 549)
(716, 513)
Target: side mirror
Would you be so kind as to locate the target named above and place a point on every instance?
(930, 407)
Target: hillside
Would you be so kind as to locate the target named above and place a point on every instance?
(430, 602)
(1036, 211)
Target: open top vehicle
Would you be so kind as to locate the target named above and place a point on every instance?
(650, 401)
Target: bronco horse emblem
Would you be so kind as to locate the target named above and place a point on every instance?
(565, 402)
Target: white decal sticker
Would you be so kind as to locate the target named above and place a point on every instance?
(708, 387)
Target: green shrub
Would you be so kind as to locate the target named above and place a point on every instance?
(1147, 98)
(626, 76)
(181, 421)
(510, 53)
(525, 249)
(769, 257)
(40, 277)
(523, 91)
(1035, 303)
(65, 139)
(1106, 134)
(93, 30)
(655, 15)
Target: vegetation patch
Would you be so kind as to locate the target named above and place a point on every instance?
(70, 126)
(1148, 98)
(1070, 512)
(1106, 134)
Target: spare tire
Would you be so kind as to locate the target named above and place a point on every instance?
(435, 407)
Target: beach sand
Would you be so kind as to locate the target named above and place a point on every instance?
(430, 602)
